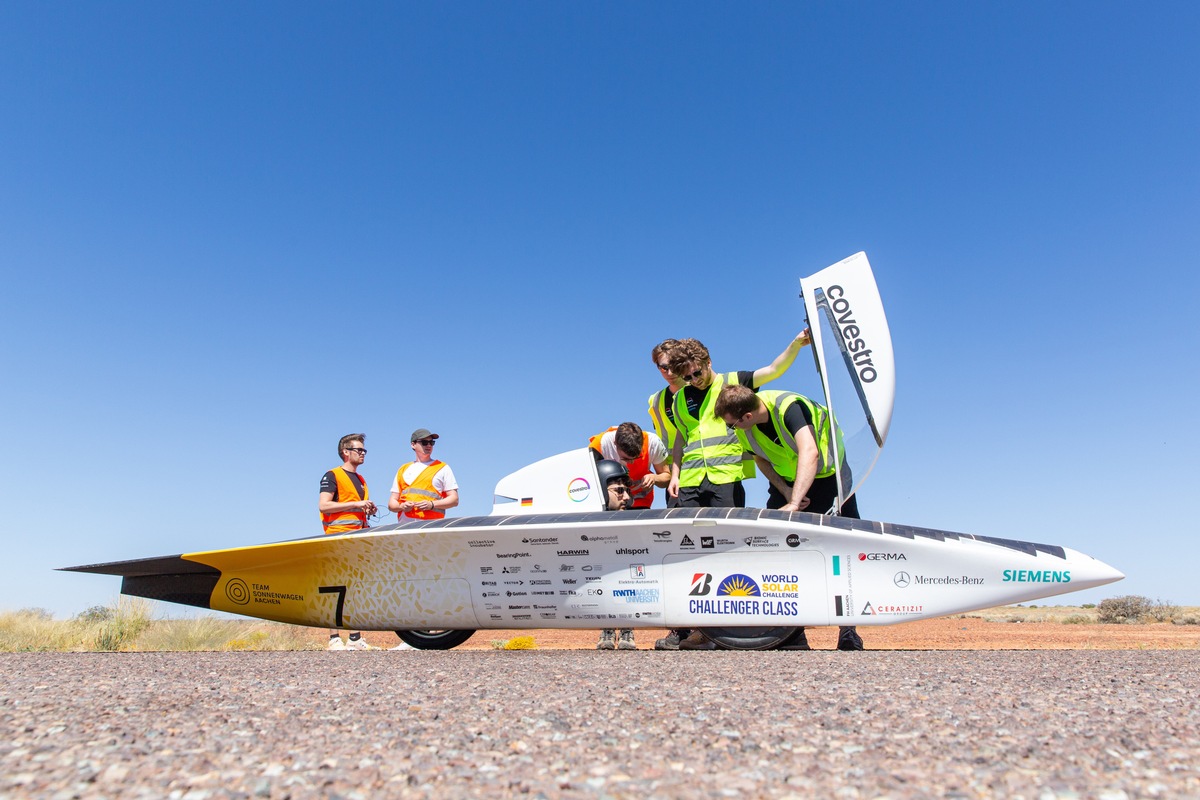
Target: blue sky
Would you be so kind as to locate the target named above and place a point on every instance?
(230, 233)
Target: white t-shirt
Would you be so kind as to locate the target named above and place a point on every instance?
(658, 451)
(443, 482)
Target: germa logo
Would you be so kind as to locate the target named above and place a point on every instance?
(701, 583)
(881, 557)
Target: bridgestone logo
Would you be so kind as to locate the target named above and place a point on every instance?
(860, 354)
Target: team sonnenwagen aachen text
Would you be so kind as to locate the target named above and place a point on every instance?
(712, 430)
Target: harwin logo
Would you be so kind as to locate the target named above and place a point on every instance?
(860, 354)
(570, 553)
(882, 557)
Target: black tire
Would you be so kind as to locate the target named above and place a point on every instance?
(749, 638)
(434, 640)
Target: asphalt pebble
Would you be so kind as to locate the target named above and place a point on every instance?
(1043, 725)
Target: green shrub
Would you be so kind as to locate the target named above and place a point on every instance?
(1163, 611)
(1127, 609)
(95, 614)
(1077, 619)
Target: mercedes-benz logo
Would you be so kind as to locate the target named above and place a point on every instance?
(902, 579)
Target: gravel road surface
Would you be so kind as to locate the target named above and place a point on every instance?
(1013, 724)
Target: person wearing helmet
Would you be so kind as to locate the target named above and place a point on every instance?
(615, 480)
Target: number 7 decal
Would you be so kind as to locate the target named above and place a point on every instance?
(340, 591)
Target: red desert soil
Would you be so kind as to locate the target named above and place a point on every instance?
(967, 633)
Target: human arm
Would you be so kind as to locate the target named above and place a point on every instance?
(445, 503)
(676, 459)
(399, 506)
(660, 477)
(806, 469)
(781, 363)
(773, 477)
(660, 474)
(327, 505)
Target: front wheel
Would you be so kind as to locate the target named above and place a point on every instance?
(434, 640)
(749, 638)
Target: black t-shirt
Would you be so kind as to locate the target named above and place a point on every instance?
(694, 398)
(796, 419)
(329, 484)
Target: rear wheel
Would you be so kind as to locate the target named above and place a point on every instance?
(434, 640)
(749, 638)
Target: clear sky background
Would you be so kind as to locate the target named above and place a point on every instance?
(231, 233)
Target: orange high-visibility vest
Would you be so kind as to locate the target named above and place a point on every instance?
(638, 469)
(420, 489)
(342, 521)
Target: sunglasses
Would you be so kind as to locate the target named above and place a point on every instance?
(426, 442)
(691, 376)
(664, 367)
(360, 450)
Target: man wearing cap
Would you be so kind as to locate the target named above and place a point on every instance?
(424, 488)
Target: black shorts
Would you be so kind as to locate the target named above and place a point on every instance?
(821, 497)
(713, 495)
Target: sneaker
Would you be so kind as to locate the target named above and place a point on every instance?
(626, 641)
(848, 639)
(797, 641)
(697, 641)
(670, 641)
(608, 640)
(402, 646)
(360, 644)
(336, 643)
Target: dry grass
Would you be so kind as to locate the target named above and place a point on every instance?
(128, 625)
(1071, 615)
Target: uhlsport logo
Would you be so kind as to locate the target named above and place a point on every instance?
(579, 489)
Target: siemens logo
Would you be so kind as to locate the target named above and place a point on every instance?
(1036, 576)
(860, 354)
